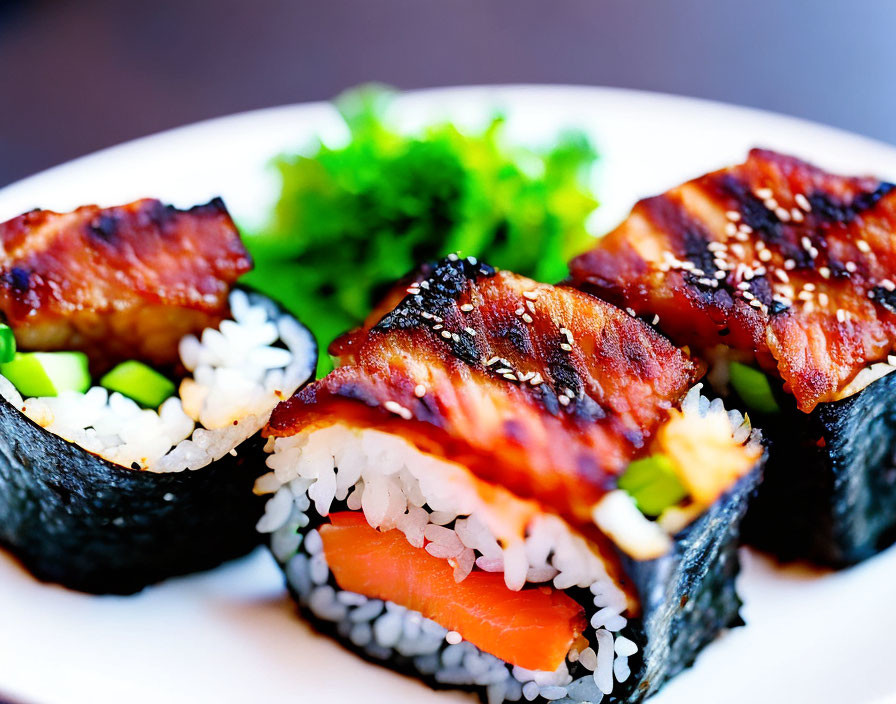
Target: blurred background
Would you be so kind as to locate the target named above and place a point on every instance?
(79, 76)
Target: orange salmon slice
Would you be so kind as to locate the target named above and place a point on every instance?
(533, 628)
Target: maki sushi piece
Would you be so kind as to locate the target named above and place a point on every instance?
(512, 488)
(781, 275)
(134, 382)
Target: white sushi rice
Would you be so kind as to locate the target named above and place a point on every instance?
(397, 486)
(238, 377)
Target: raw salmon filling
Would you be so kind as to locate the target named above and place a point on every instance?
(464, 588)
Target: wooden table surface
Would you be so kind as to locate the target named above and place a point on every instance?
(78, 76)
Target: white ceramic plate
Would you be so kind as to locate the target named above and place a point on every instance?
(231, 635)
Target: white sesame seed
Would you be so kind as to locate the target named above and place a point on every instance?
(453, 257)
(438, 327)
(823, 299)
(749, 296)
(527, 318)
(472, 261)
(765, 255)
(466, 307)
(503, 370)
(782, 276)
(760, 245)
(731, 229)
(446, 334)
(743, 285)
(397, 409)
(809, 307)
(825, 272)
(509, 377)
(413, 291)
(789, 264)
(841, 315)
(763, 193)
(566, 347)
(806, 242)
(745, 229)
(531, 306)
(453, 637)
(470, 331)
(803, 202)
(531, 295)
(809, 287)
(419, 391)
(525, 377)
(756, 303)
(537, 379)
(783, 214)
(720, 274)
(491, 361)
(519, 311)
(455, 337)
(813, 252)
(656, 319)
(796, 214)
(887, 284)
(424, 285)
(733, 215)
(804, 296)
(850, 267)
(563, 399)
(863, 246)
(738, 250)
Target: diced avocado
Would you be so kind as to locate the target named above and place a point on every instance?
(47, 373)
(140, 383)
(653, 484)
(753, 387)
(7, 344)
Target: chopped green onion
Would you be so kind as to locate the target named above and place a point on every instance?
(653, 484)
(753, 387)
(7, 344)
(47, 373)
(140, 383)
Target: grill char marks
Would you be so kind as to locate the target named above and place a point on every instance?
(563, 392)
(80, 280)
(805, 267)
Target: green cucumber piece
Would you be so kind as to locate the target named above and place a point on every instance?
(753, 387)
(653, 484)
(139, 382)
(47, 373)
(7, 344)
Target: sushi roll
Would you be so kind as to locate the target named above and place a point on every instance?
(134, 382)
(781, 276)
(511, 488)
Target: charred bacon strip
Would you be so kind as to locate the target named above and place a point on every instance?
(120, 282)
(774, 258)
(543, 390)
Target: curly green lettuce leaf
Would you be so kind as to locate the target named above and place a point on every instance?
(351, 220)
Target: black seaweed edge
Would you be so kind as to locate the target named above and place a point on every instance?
(832, 503)
(76, 519)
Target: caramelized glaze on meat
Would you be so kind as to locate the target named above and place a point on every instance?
(544, 390)
(123, 282)
(774, 258)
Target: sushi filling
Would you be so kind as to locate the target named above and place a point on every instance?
(238, 374)
(439, 507)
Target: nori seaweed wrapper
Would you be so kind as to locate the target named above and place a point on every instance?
(687, 597)
(75, 518)
(829, 493)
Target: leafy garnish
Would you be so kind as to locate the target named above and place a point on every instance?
(351, 220)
